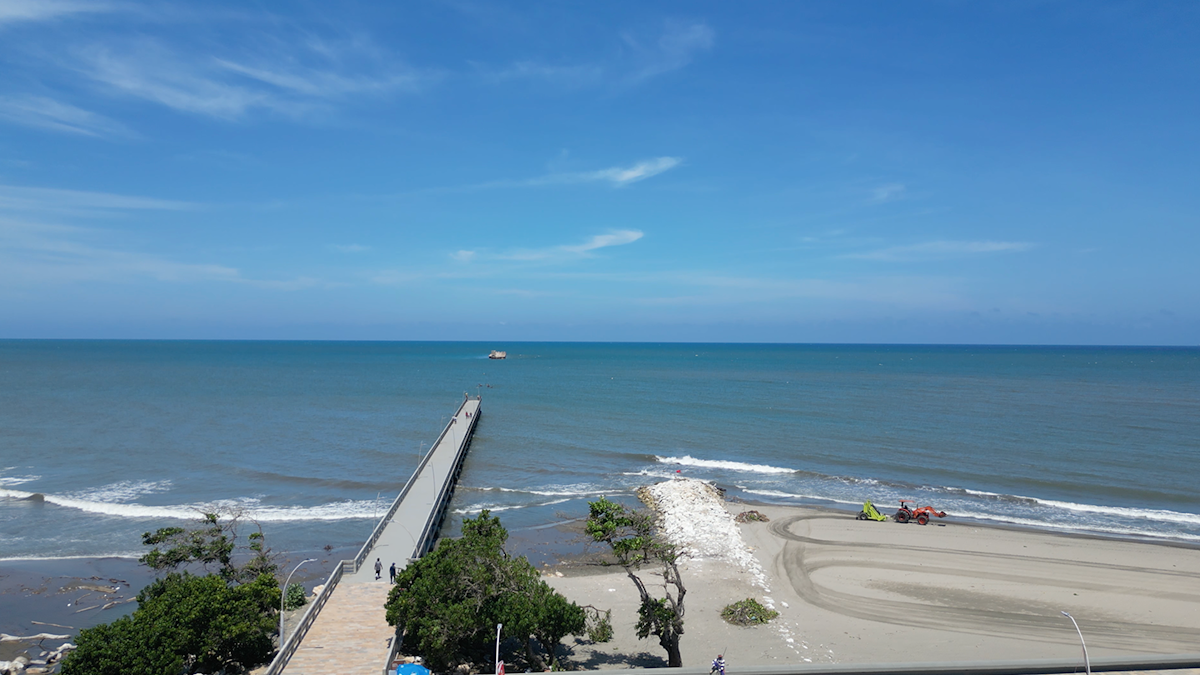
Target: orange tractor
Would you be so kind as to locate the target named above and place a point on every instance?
(909, 511)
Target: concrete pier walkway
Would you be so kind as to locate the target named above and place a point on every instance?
(345, 630)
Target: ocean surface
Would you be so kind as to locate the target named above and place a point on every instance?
(313, 439)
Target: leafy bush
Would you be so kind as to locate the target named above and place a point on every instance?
(599, 624)
(747, 612)
(295, 597)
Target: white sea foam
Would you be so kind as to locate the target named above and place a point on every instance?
(249, 508)
(688, 460)
(552, 490)
(1083, 528)
(1126, 512)
(13, 481)
(788, 495)
(476, 508)
(124, 491)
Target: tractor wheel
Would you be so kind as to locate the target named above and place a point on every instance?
(902, 516)
(862, 515)
(922, 519)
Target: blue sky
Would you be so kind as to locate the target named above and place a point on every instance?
(940, 172)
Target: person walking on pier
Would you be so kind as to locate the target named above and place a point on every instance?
(378, 570)
(392, 573)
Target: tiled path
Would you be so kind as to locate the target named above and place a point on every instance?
(350, 636)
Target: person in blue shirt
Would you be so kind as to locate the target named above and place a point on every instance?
(718, 665)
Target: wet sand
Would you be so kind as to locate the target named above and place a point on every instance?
(852, 591)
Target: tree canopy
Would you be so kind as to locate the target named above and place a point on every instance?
(447, 604)
(184, 624)
(220, 622)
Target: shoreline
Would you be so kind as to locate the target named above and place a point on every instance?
(852, 591)
(844, 556)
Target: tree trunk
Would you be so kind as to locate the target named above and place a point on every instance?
(674, 658)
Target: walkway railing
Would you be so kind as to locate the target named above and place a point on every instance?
(387, 518)
(292, 643)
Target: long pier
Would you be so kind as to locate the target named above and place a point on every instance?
(345, 630)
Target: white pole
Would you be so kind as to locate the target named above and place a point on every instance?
(283, 597)
(1086, 664)
(498, 627)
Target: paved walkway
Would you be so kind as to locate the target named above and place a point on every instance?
(351, 635)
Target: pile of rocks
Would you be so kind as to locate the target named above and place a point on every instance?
(692, 516)
(45, 661)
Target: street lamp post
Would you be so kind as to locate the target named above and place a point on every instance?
(283, 597)
(1086, 664)
(498, 627)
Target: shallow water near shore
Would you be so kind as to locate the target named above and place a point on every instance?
(101, 441)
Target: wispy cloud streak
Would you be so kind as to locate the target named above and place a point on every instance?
(46, 113)
(12, 11)
(933, 250)
(554, 253)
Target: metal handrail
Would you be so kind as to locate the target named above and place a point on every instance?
(382, 524)
(289, 647)
(431, 525)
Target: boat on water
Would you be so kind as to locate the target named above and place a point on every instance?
(498, 355)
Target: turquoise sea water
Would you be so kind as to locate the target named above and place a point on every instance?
(314, 439)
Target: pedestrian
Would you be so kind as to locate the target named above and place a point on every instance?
(378, 570)
(718, 665)
(392, 573)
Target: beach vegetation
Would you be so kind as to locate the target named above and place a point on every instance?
(447, 604)
(630, 535)
(184, 624)
(599, 624)
(294, 597)
(748, 612)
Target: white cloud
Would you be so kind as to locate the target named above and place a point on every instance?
(350, 248)
(463, 256)
(284, 80)
(642, 170)
(615, 238)
(31, 199)
(618, 176)
(639, 60)
(35, 253)
(46, 113)
(12, 11)
(618, 238)
(933, 250)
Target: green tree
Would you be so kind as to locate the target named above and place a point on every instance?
(214, 542)
(447, 604)
(630, 535)
(220, 622)
(184, 624)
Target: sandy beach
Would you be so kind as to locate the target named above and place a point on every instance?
(852, 591)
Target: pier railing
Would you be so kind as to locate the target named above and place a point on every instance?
(429, 533)
(387, 518)
(292, 643)
(289, 646)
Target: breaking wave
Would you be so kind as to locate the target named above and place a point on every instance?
(688, 460)
(248, 507)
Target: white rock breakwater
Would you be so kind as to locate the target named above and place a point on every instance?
(692, 516)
